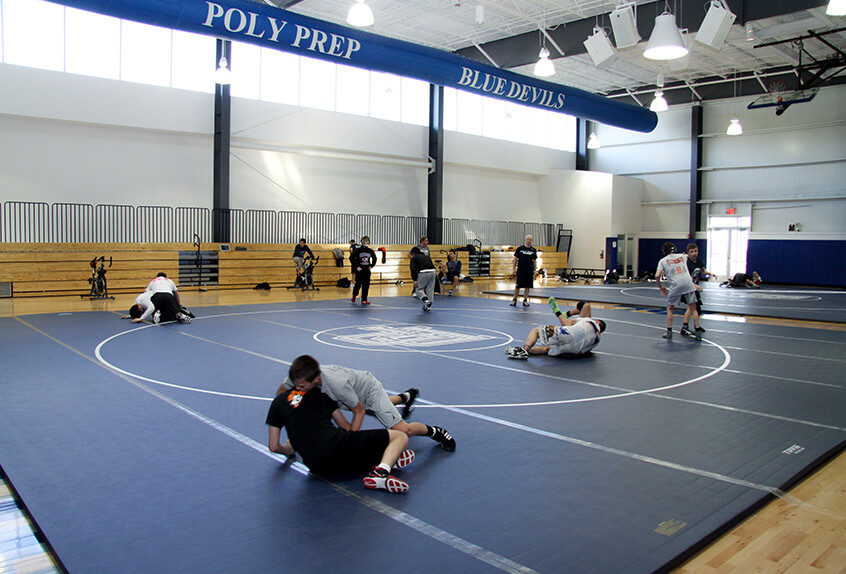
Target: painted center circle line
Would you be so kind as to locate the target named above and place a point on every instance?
(99, 356)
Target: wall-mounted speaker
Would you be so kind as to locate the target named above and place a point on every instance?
(716, 25)
(625, 26)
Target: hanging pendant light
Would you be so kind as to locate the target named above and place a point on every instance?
(223, 75)
(593, 141)
(734, 128)
(836, 8)
(360, 14)
(659, 103)
(666, 41)
(544, 67)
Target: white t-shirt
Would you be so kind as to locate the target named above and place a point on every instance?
(575, 340)
(674, 268)
(145, 299)
(162, 285)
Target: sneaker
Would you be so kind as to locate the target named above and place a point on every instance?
(365, 302)
(554, 305)
(157, 317)
(381, 480)
(404, 459)
(686, 332)
(697, 336)
(442, 436)
(525, 303)
(185, 311)
(182, 318)
(700, 329)
(414, 294)
(352, 299)
(513, 303)
(450, 293)
(409, 404)
(668, 335)
(517, 353)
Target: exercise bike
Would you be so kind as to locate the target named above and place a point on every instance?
(99, 285)
(305, 278)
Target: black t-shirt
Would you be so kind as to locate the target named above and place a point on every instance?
(307, 417)
(695, 267)
(526, 257)
(363, 257)
(301, 250)
(419, 262)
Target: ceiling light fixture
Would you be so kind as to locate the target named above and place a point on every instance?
(666, 41)
(544, 66)
(480, 14)
(360, 14)
(223, 75)
(734, 128)
(593, 141)
(659, 103)
(836, 8)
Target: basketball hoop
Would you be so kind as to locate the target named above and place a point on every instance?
(777, 91)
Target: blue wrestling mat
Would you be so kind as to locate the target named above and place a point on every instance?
(768, 301)
(141, 448)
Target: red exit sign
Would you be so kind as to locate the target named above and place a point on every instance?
(730, 211)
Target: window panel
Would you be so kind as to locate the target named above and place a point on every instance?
(451, 109)
(562, 131)
(280, 77)
(92, 44)
(385, 96)
(415, 102)
(469, 113)
(538, 128)
(317, 84)
(44, 49)
(145, 53)
(493, 118)
(353, 91)
(516, 122)
(246, 70)
(193, 62)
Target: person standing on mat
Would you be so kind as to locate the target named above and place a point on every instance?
(423, 247)
(362, 260)
(524, 263)
(424, 275)
(360, 391)
(307, 416)
(573, 337)
(680, 288)
(696, 268)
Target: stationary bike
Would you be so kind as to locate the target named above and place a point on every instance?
(305, 278)
(99, 285)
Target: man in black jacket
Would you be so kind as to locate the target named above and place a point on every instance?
(424, 274)
(362, 259)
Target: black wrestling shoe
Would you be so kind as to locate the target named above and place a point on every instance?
(442, 436)
(513, 303)
(697, 336)
(700, 329)
(686, 332)
(185, 311)
(409, 404)
(668, 335)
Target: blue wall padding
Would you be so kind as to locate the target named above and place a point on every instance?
(811, 262)
(610, 253)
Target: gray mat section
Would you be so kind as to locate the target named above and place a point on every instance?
(769, 301)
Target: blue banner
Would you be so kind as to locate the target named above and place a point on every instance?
(272, 27)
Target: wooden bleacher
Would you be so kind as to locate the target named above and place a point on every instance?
(39, 269)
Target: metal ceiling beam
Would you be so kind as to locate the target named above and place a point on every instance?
(522, 49)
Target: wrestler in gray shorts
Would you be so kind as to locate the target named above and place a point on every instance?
(688, 298)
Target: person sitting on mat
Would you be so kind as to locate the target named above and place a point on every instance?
(306, 414)
(159, 307)
(673, 267)
(573, 337)
(742, 280)
(360, 391)
(301, 253)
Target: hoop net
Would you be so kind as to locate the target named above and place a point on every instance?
(777, 91)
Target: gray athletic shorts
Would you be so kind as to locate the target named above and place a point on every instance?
(686, 298)
(378, 402)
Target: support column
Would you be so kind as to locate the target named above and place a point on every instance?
(582, 131)
(695, 174)
(222, 124)
(435, 204)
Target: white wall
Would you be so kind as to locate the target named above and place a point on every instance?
(66, 138)
(800, 155)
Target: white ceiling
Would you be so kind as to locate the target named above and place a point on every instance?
(450, 25)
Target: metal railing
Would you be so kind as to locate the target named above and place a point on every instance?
(37, 222)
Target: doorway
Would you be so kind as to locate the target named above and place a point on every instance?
(626, 255)
(728, 238)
